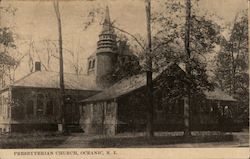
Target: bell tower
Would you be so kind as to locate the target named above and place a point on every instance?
(106, 53)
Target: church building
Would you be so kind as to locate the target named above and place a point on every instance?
(121, 106)
(96, 104)
(33, 103)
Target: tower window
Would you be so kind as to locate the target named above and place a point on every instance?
(93, 64)
(90, 63)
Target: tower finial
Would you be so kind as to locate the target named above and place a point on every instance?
(107, 17)
(107, 23)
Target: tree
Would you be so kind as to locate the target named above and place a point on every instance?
(232, 64)
(188, 68)
(6, 43)
(127, 63)
(60, 43)
(184, 35)
(149, 73)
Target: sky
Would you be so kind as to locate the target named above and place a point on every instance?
(36, 21)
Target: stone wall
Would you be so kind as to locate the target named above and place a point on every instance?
(104, 68)
(99, 118)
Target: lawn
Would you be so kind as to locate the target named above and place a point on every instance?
(120, 142)
(31, 140)
(81, 140)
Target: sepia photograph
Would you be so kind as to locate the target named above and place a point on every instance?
(123, 74)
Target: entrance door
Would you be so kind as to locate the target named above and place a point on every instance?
(71, 112)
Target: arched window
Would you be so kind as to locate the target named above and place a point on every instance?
(93, 63)
(30, 107)
(49, 107)
(40, 102)
(90, 63)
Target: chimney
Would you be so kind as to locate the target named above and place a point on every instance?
(37, 66)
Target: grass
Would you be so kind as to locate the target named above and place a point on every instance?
(31, 140)
(158, 140)
(53, 139)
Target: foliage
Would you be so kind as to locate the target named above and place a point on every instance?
(6, 37)
(232, 63)
(6, 43)
(127, 62)
(169, 42)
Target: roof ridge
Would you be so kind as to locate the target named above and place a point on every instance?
(63, 73)
(22, 78)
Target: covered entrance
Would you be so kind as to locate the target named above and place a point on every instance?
(72, 115)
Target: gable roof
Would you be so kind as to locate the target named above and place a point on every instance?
(132, 83)
(125, 86)
(120, 88)
(46, 79)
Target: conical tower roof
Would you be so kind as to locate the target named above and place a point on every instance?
(107, 25)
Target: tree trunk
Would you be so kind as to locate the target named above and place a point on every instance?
(61, 75)
(150, 109)
(188, 69)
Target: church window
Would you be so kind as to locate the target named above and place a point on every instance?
(90, 63)
(30, 107)
(40, 100)
(93, 64)
(49, 107)
(180, 107)
(109, 107)
(175, 107)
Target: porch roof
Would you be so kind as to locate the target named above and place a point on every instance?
(46, 79)
(218, 94)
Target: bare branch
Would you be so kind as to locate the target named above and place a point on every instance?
(134, 37)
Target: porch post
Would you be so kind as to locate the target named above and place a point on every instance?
(186, 117)
(116, 116)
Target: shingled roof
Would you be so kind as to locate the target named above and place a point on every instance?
(124, 86)
(46, 79)
(130, 84)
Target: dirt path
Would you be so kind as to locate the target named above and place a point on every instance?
(77, 140)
